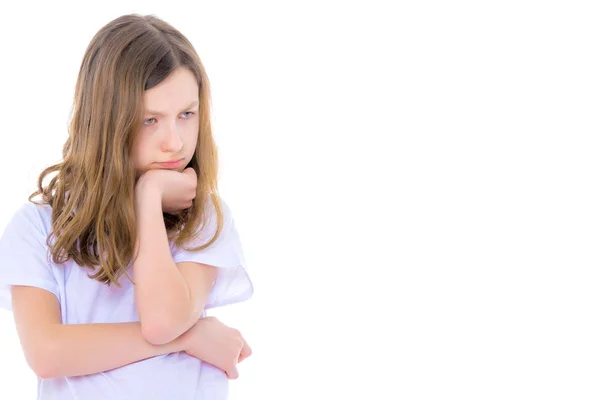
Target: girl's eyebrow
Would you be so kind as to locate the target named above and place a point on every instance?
(192, 104)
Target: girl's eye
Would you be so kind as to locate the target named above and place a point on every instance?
(189, 116)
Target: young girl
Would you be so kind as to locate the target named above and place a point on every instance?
(109, 273)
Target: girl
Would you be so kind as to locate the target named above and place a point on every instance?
(109, 273)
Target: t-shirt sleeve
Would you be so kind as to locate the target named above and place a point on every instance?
(233, 284)
(24, 258)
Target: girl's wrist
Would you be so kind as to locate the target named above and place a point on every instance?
(178, 345)
(147, 191)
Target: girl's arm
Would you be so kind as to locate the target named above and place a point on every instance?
(169, 297)
(53, 349)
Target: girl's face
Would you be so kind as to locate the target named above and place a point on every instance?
(167, 136)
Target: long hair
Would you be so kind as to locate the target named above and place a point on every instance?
(92, 191)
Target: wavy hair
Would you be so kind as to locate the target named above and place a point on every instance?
(92, 190)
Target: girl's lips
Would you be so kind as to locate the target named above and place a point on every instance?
(170, 164)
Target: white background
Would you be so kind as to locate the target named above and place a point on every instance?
(415, 183)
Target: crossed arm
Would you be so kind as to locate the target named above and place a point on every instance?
(169, 298)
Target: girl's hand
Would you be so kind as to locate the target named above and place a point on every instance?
(177, 189)
(215, 343)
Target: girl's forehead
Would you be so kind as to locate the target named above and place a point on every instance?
(178, 91)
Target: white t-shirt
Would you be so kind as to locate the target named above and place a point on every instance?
(25, 260)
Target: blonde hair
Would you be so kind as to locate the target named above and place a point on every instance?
(92, 193)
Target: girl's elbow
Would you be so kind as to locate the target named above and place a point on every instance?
(163, 329)
(158, 333)
(45, 372)
(43, 364)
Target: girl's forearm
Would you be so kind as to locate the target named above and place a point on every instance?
(82, 349)
(162, 296)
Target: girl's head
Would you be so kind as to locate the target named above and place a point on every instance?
(141, 99)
